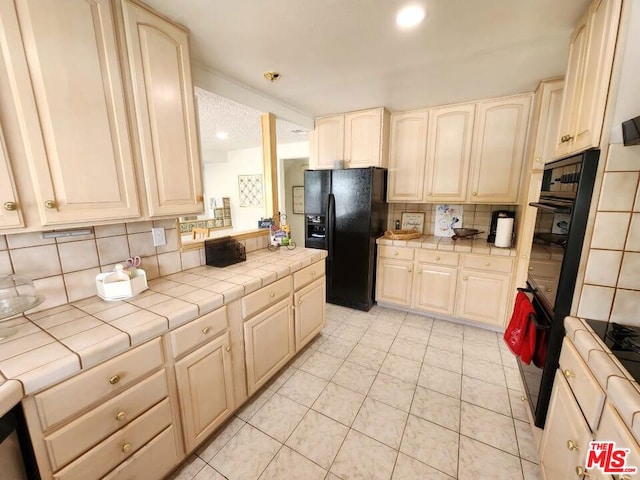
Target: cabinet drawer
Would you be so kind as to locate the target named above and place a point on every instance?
(73, 439)
(438, 258)
(308, 274)
(544, 268)
(583, 384)
(198, 331)
(266, 296)
(87, 388)
(119, 446)
(491, 263)
(154, 460)
(398, 253)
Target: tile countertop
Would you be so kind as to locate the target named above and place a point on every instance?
(53, 344)
(447, 244)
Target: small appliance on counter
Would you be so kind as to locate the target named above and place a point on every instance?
(493, 229)
(17, 295)
(224, 251)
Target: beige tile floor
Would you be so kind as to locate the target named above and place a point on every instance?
(381, 395)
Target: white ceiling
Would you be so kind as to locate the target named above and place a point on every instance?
(241, 122)
(342, 55)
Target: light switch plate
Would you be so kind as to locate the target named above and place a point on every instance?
(159, 237)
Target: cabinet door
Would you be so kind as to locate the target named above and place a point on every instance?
(65, 70)
(362, 139)
(329, 141)
(158, 56)
(434, 288)
(448, 153)
(393, 281)
(269, 343)
(10, 215)
(604, 16)
(613, 429)
(564, 424)
(310, 312)
(500, 135)
(482, 296)
(205, 387)
(548, 123)
(407, 155)
(572, 87)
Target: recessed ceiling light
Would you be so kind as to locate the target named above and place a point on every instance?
(410, 16)
(222, 135)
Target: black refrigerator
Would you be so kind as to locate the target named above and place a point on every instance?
(345, 211)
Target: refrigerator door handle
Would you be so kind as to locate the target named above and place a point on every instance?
(331, 223)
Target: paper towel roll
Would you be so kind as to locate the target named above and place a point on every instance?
(503, 232)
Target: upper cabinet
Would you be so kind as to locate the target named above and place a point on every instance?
(469, 153)
(359, 139)
(407, 153)
(9, 206)
(547, 117)
(158, 54)
(448, 153)
(499, 139)
(102, 117)
(591, 52)
(64, 69)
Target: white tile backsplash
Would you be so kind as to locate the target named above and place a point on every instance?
(76, 256)
(595, 302)
(618, 191)
(36, 262)
(603, 267)
(610, 230)
(630, 272)
(625, 307)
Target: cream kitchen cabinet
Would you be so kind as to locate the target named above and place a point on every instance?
(613, 429)
(10, 215)
(205, 388)
(591, 52)
(164, 111)
(309, 308)
(498, 148)
(483, 288)
(394, 275)
(448, 153)
(566, 435)
(269, 341)
(73, 125)
(547, 117)
(407, 156)
(359, 139)
(434, 282)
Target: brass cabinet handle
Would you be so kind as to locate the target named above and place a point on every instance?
(487, 264)
(437, 258)
(10, 206)
(50, 204)
(539, 159)
(206, 330)
(300, 302)
(395, 253)
(228, 348)
(582, 472)
(313, 273)
(120, 416)
(571, 445)
(419, 272)
(474, 194)
(272, 294)
(199, 198)
(465, 278)
(566, 138)
(548, 289)
(428, 194)
(568, 373)
(410, 270)
(115, 379)
(126, 447)
(530, 269)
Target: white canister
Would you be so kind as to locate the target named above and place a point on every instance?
(504, 232)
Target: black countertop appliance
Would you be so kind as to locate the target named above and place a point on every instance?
(345, 212)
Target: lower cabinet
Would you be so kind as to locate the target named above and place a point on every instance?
(435, 288)
(205, 389)
(393, 282)
(269, 343)
(566, 435)
(309, 303)
(483, 296)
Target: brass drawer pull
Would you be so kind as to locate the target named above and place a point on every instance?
(115, 379)
(206, 330)
(571, 445)
(120, 416)
(313, 273)
(272, 294)
(126, 447)
(465, 278)
(582, 472)
(569, 373)
(395, 253)
(50, 204)
(419, 272)
(228, 348)
(10, 206)
(487, 264)
(437, 258)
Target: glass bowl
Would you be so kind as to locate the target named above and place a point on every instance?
(17, 295)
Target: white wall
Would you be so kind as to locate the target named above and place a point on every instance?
(221, 180)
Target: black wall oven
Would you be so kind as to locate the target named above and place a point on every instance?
(561, 222)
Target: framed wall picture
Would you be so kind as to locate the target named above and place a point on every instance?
(298, 199)
(250, 190)
(413, 221)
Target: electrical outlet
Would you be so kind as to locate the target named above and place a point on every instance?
(159, 237)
